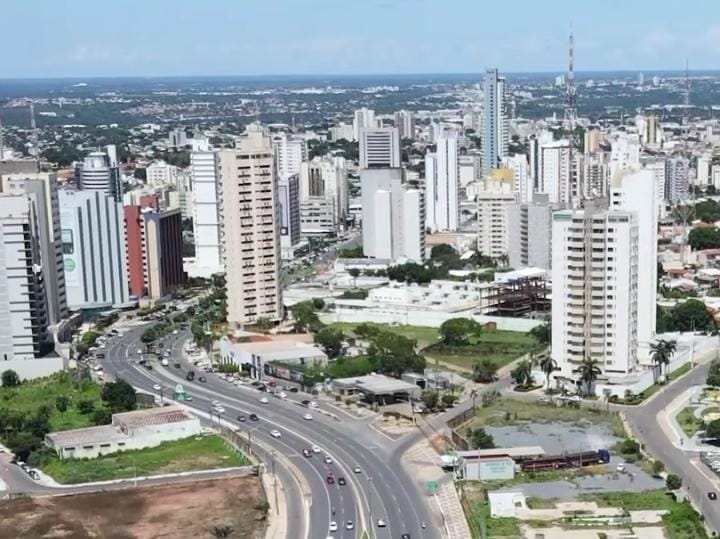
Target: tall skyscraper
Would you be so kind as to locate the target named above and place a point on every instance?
(405, 122)
(251, 229)
(41, 188)
(594, 176)
(363, 119)
(530, 234)
(595, 282)
(380, 148)
(677, 179)
(323, 196)
(207, 212)
(522, 181)
(23, 300)
(393, 216)
(93, 246)
(492, 219)
(634, 190)
(496, 134)
(99, 172)
(556, 171)
(290, 153)
(442, 183)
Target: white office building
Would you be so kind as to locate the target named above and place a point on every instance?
(521, 179)
(290, 152)
(405, 122)
(380, 148)
(595, 289)
(492, 219)
(93, 245)
(556, 171)
(624, 152)
(442, 183)
(251, 229)
(393, 216)
(207, 213)
(160, 173)
(99, 172)
(363, 119)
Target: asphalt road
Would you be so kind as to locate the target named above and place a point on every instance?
(383, 489)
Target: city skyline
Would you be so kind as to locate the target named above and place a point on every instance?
(219, 38)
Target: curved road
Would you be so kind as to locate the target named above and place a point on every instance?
(383, 490)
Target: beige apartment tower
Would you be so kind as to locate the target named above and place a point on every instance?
(251, 236)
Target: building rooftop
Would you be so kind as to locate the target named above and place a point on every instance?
(86, 436)
(152, 416)
(512, 452)
(376, 383)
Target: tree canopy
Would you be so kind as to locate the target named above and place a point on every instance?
(686, 316)
(394, 354)
(305, 317)
(119, 396)
(330, 340)
(458, 331)
(10, 378)
(706, 237)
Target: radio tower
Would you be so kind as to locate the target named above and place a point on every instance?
(570, 116)
(33, 131)
(686, 103)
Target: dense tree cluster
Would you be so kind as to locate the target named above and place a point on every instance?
(690, 315)
(706, 237)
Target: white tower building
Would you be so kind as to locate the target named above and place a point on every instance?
(442, 181)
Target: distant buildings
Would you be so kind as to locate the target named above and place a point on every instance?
(393, 216)
(677, 179)
(207, 213)
(405, 122)
(363, 119)
(380, 147)
(555, 171)
(251, 231)
(323, 196)
(442, 184)
(93, 246)
(496, 135)
(492, 219)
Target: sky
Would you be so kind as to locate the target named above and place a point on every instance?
(86, 38)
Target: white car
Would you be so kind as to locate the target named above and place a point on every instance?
(381, 523)
(283, 395)
(264, 400)
(328, 459)
(275, 433)
(307, 417)
(357, 469)
(164, 363)
(313, 404)
(215, 403)
(333, 526)
(167, 353)
(139, 351)
(349, 525)
(219, 410)
(157, 387)
(620, 467)
(175, 331)
(316, 449)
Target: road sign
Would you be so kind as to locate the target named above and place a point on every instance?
(432, 485)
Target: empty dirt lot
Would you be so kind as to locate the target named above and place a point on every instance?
(188, 509)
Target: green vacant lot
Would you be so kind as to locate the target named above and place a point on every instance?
(681, 522)
(29, 397)
(198, 453)
(424, 336)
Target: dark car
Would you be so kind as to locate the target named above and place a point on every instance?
(241, 418)
(405, 536)
(254, 417)
(341, 481)
(330, 479)
(202, 379)
(293, 390)
(177, 365)
(148, 366)
(306, 402)
(190, 376)
(712, 495)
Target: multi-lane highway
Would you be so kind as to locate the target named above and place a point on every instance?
(380, 490)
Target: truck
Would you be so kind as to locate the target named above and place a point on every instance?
(566, 460)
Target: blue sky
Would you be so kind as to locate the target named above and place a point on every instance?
(49, 38)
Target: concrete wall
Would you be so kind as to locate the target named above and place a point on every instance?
(27, 369)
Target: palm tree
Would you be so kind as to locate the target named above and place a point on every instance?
(661, 352)
(522, 374)
(221, 532)
(548, 365)
(589, 371)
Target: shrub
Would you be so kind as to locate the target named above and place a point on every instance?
(673, 482)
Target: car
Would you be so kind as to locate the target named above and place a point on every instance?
(272, 384)
(190, 376)
(316, 449)
(620, 467)
(148, 366)
(175, 332)
(313, 404)
(241, 418)
(349, 525)
(357, 469)
(328, 459)
(264, 400)
(202, 379)
(164, 363)
(712, 495)
(341, 481)
(333, 526)
(381, 523)
(188, 398)
(307, 453)
(405, 536)
(167, 353)
(293, 390)
(282, 395)
(216, 403)
(157, 387)
(330, 478)
(275, 433)
(34, 475)
(307, 417)
(305, 402)
(219, 409)
(139, 351)
(254, 417)
(177, 365)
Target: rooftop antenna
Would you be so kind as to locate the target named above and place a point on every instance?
(686, 103)
(1, 139)
(570, 116)
(33, 130)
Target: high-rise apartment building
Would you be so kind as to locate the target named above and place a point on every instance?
(594, 176)
(23, 299)
(677, 179)
(624, 153)
(521, 180)
(363, 119)
(442, 184)
(634, 190)
(556, 171)
(595, 289)
(99, 172)
(405, 122)
(251, 229)
(207, 212)
(290, 153)
(496, 135)
(93, 246)
(323, 196)
(393, 216)
(154, 244)
(41, 188)
(380, 148)
(492, 219)
(530, 234)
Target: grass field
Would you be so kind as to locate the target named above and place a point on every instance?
(30, 396)
(477, 513)
(424, 336)
(505, 412)
(198, 453)
(687, 420)
(682, 522)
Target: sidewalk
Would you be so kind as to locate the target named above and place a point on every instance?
(423, 463)
(276, 521)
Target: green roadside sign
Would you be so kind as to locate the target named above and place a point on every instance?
(432, 485)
